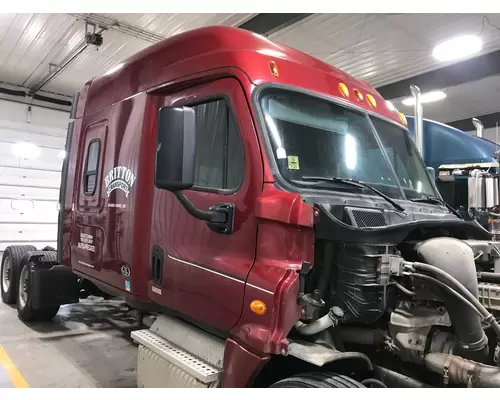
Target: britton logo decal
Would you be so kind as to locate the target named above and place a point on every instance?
(119, 178)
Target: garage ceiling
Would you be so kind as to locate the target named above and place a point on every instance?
(391, 51)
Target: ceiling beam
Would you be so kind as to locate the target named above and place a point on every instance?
(453, 75)
(266, 24)
(488, 120)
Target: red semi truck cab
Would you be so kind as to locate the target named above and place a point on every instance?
(137, 240)
(217, 181)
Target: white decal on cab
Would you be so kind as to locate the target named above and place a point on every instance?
(119, 178)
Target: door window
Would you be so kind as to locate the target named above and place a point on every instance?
(219, 152)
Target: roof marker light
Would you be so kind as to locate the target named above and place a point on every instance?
(358, 94)
(343, 89)
(371, 100)
(274, 69)
(402, 117)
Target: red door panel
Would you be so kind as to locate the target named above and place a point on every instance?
(87, 238)
(204, 271)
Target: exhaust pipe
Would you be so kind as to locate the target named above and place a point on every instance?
(456, 258)
(419, 119)
(479, 127)
(458, 370)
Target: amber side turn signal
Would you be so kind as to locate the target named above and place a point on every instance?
(258, 307)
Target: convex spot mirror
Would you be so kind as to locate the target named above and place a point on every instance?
(175, 148)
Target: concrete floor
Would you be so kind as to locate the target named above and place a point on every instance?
(86, 345)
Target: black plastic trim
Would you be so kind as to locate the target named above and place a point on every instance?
(74, 106)
(330, 228)
(157, 262)
(62, 190)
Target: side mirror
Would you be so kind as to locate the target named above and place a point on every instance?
(175, 148)
(175, 166)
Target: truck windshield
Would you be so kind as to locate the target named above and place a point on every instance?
(315, 137)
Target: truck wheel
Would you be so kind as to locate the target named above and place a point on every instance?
(25, 311)
(10, 271)
(318, 380)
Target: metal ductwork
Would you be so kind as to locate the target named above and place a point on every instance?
(419, 119)
(479, 127)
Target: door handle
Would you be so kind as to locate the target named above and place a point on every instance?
(157, 265)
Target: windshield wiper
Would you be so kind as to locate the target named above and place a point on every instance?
(436, 200)
(355, 183)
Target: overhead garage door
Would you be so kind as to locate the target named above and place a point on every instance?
(31, 156)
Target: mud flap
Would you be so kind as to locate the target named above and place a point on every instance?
(52, 285)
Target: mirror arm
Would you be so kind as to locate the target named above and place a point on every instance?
(192, 210)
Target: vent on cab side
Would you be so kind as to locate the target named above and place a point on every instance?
(365, 217)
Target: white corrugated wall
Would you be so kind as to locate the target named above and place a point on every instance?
(29, 182)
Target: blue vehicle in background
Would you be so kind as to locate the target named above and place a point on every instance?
(447, 148)
(453, 155)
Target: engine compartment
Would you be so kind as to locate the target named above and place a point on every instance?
(418, 296)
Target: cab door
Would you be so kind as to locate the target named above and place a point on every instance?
(195, 270)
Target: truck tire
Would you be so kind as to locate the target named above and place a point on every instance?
(318, 380)
(25, 311)
(10, 271)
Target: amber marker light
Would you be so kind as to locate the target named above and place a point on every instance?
(358, 95)
(274, 69)
(403, 119)
(343, 89)
(371, 100)
(258, 307)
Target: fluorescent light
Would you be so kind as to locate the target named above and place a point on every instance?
(25, 150)
(428, 97)
(62, 154)
(458, 47)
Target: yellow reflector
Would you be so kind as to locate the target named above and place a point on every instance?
(258, 307)
(371, 100)
(343, 89)
(274, 69)
(403, 119)
(358, 94)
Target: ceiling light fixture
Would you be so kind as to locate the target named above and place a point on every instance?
(457, 48)
(428, 97)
